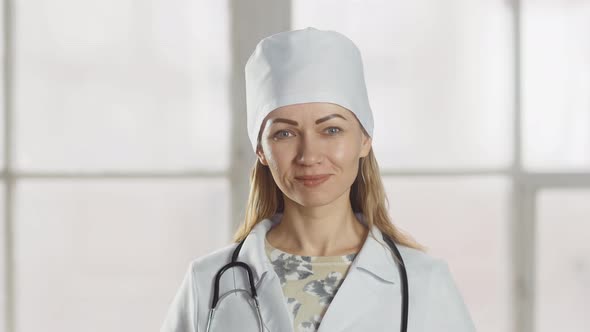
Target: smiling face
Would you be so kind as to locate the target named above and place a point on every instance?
(313, 139)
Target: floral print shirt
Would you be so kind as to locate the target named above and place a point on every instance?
(309, 283)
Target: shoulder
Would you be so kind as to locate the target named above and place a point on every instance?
(434, 293)
(426, 272)
(212, 261)
(421, 262)
(195, 287)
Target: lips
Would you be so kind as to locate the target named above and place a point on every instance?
(312, 177)
(312, 181)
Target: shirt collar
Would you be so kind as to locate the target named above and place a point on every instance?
(374, 257)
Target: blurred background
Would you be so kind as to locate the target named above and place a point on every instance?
(125, 155)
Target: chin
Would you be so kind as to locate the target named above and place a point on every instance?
(313, 203)
(314, 199)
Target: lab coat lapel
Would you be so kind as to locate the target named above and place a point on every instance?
(364, 291)
(273, 307)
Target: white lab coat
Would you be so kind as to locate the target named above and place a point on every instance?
(369, 298)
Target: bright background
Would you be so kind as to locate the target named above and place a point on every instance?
(125, 155)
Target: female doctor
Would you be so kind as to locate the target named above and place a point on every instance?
(317, 250)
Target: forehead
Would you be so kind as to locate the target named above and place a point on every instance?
(308, 109)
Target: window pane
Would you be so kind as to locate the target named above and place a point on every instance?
(469, 229)
(439, 76)
(3, 268)
(563, 261)
(2, 103)
(121, 85)
(556, 85)
(108, 255)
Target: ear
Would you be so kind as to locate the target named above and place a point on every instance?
(366, 145)
(261, 156)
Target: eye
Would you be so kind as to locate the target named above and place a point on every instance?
(334, 132)
(278, 134)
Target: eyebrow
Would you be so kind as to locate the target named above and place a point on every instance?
(318, 121)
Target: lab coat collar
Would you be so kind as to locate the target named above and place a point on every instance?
(374, 257)
(253, 253)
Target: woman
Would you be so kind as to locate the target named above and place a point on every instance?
(317, 250)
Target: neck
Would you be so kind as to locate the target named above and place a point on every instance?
(318, 231)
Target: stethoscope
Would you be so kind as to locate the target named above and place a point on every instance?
(234, 262)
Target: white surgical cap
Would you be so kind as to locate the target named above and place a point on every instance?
(302, 66)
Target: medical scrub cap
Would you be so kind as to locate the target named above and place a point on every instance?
(302, 66)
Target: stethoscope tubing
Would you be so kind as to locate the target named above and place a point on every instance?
(235, 263)
(404, 277)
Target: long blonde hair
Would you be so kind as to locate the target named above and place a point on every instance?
(367, 196)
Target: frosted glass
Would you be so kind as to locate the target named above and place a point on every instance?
(556, 85)
(465, 222)
(563, 261)
(3, 267)
(109, 255)
(2, 109)
(439, 76)
(121, 85)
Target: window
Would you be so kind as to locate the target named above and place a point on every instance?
(115, 178)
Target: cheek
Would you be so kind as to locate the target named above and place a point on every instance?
(277, 160)
(345, 152)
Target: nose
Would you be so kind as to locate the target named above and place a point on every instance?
(310, 150)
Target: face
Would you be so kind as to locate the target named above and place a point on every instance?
(313, 139)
